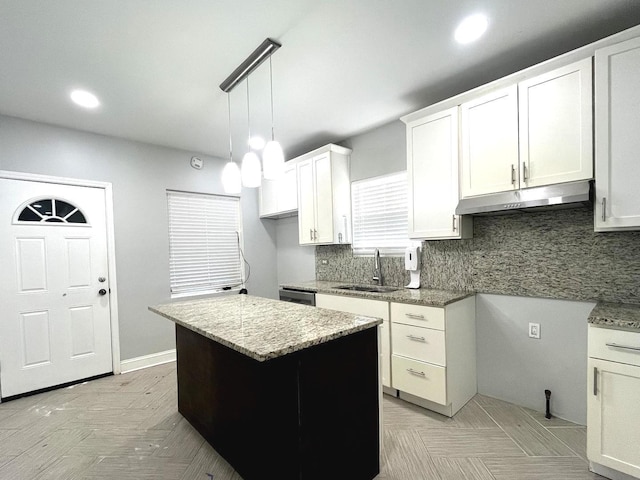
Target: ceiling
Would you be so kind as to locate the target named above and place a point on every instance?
(345, 66)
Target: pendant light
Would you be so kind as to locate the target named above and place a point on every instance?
(231, 172)
(272, 155)
(250, 170)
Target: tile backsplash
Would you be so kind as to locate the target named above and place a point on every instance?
(553, 254)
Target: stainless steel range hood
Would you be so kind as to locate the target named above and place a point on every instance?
(562, 195)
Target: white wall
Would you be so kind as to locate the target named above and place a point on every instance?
(140, 174)
(518, 369)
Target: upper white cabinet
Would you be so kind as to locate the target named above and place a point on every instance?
(324, 196)
(537, 132)
(279, 198)
(555, 112)
(489, 131)
(432, 168)
(617, 116)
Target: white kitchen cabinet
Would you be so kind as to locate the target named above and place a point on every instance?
(489, 130)
(324, 196)
(533, 133)
(279, 197)
(613, 436)
(371, 308)
(556, 139)
(432, 170)
(433, 354)
(617, 116)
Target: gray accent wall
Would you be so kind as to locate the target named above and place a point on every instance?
(140, 174)
(296, 263)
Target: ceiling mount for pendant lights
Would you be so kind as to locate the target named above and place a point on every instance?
(250, 172)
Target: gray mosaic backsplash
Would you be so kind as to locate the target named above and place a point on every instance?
(552, 254)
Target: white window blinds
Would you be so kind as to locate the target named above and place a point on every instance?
(204, 246)
(380, 214)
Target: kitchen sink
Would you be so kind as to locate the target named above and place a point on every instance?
(367, 288)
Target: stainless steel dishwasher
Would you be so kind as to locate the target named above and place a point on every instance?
(298, 296)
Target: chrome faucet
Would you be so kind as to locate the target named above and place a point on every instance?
(377, 271)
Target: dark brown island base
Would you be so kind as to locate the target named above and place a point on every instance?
(280, 390)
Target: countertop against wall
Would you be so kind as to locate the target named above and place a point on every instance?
(420, 296)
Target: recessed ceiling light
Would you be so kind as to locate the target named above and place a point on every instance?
(471, 28)
(85, 99)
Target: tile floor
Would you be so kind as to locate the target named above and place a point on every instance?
(127, 427)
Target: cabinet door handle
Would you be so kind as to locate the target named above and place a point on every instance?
(415, 372)
(604, 209)
(453, 222)
(513, 175)
(624, 347)
(417, 339)
(311, 234)
(415, 316)
(315, 234)
(525, 177)
(595, 381)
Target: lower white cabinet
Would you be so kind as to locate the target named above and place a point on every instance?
(613, 413)
(433, 361)
(371, 308)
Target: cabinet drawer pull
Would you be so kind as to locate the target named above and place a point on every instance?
(513, 175)
(595, 381)
(624, 347)
(415, 372)
(415, 316)
(417, 339)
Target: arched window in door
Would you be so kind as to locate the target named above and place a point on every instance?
(51, 210)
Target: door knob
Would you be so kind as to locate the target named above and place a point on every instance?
(102, 291)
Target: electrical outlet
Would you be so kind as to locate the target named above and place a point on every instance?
(534, 330)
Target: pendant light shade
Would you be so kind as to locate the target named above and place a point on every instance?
(250, 170)
(273, 160)
(231, 178)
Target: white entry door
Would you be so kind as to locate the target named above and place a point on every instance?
(54, 289)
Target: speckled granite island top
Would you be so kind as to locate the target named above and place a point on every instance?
(420, 296)
(262, 328)
(616, 315)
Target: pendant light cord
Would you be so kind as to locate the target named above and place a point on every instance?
(229, 111)
(271, 89)
(248, 114)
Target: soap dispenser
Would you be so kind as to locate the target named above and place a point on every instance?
(412, 263)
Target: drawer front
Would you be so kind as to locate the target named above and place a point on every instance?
(420, 379)
(615, 345)
(418, 315)
(357, 306)
(424, 344)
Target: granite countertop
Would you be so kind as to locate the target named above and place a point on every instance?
(420, 296)
(262, 328)
(616, 315)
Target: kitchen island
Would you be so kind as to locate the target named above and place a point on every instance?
(280, 390)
